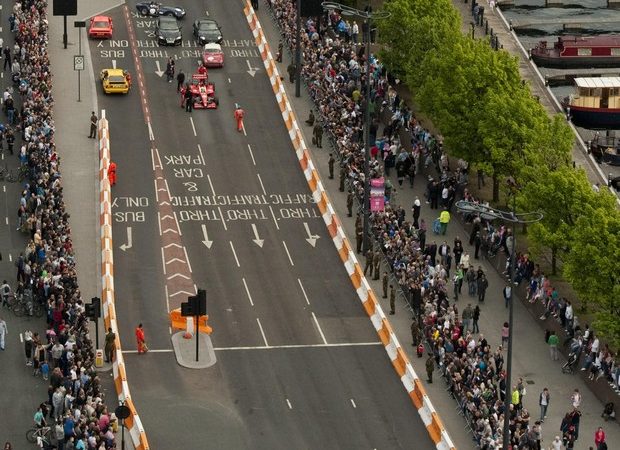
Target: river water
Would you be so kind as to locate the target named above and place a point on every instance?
(593, 16)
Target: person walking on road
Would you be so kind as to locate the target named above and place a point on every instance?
(142, 347)
(93, 125)
(430, 367)
(189, 101)
(239, 113)
(543, 401)
(330, 164)
(475, 319)
(180, 80)
(3, 332)
(170, 70)
(481, 286)
(553, 342)
(7, 57)
(110, 339)
(444, 219)
(599, 439)
(507, 291)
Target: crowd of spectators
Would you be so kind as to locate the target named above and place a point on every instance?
(334, 72)
(64, 356)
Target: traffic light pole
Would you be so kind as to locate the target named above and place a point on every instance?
(97, 332)
(197, 333)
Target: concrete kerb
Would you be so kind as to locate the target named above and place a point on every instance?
(398, 357)
(132, 423)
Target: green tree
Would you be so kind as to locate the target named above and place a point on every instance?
(592, 265)
(413, 28)
(562, 195)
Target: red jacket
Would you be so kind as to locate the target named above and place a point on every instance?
(599, 437)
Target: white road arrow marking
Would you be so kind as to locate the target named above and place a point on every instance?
(206, 240)
(129, 244)
(257, 240)
(114, 64)
(251, 70)
(311, 239)
(159, 72)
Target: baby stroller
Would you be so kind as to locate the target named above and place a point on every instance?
(568, 367)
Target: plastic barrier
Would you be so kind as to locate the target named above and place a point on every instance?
(393, 348)
(132, 423)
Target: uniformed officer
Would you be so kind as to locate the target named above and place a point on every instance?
(385, 284)
(369, 257)
(343, 174)
(318, 134)
(377, 263)
(331, 163)
(430, 367)
(350, 204)
(392, 299)
(415, 333)
(359, 236)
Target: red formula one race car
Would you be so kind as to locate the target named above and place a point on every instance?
(203, 92)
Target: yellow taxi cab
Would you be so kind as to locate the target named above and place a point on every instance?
(115, 81)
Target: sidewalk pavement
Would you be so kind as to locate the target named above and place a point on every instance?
(530, 354)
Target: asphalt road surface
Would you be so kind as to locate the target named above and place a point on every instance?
(298, 362)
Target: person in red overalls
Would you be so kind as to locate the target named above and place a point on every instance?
(142, 348)
(112, 173)
(239, 113)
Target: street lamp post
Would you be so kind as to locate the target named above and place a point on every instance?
(487, 212)
(368, 15)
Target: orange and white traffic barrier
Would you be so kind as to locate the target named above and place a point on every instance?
(399, 359)
(132, 423)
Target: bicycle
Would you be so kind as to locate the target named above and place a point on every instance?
(27, 305)
(35, 435)
(11, 176)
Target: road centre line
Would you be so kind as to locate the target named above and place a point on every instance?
(303, 290)
(272, 215)
(193, 127)
(159, 222)
(353, 403)
(202, 157)
(163, 260)
(210, 184)
(232, 247)
(189, 265)
(243, 127)
(288, 402)
(262, 332)
(287, 252)
(291, 346)
(247, 291)
(219, 209)
(167, 300)
(260, 180)
(319, 327)
(156, 191)
(251, 154)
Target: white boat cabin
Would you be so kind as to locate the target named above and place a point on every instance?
(597, 92)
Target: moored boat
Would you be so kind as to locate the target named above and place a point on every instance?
(597, 103)
(578, 51)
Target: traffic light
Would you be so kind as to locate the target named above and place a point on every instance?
(196, 305)
(93, 309)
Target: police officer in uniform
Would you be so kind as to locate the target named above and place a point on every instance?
(385, 284)
(369, 257)
(343, 174)
(331, 163)
(359, 236)
(392, 300)
(350, 204)
(377, 263)
(430, 367)
(318, 134)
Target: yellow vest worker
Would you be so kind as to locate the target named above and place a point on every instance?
(444, 218)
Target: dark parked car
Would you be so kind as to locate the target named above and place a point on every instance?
(155, 9)
(207, 30)
(168, 31)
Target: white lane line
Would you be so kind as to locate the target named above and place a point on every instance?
(262, 186)
(10, 257)
(222, 217)
(160, 350)
(202, 157)
(21, 338)
(288, 402)
(159, 222)
(232, 247)
(210, 184)
(229, 81)
(262, 347)
(156, 191)
(303, 290)
(289, 255)
(251, 154)
(353, 403)
(247, 291)
(163, 260)
(7, 220)
(320, 329)
(262, 332)
(243, 127)
(167, 300)
(189, 265)
(274, 218)
(177, 221)
(193, 127)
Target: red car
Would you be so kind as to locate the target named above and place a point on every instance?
(212, 55)
(100, 27)
(203, 92)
